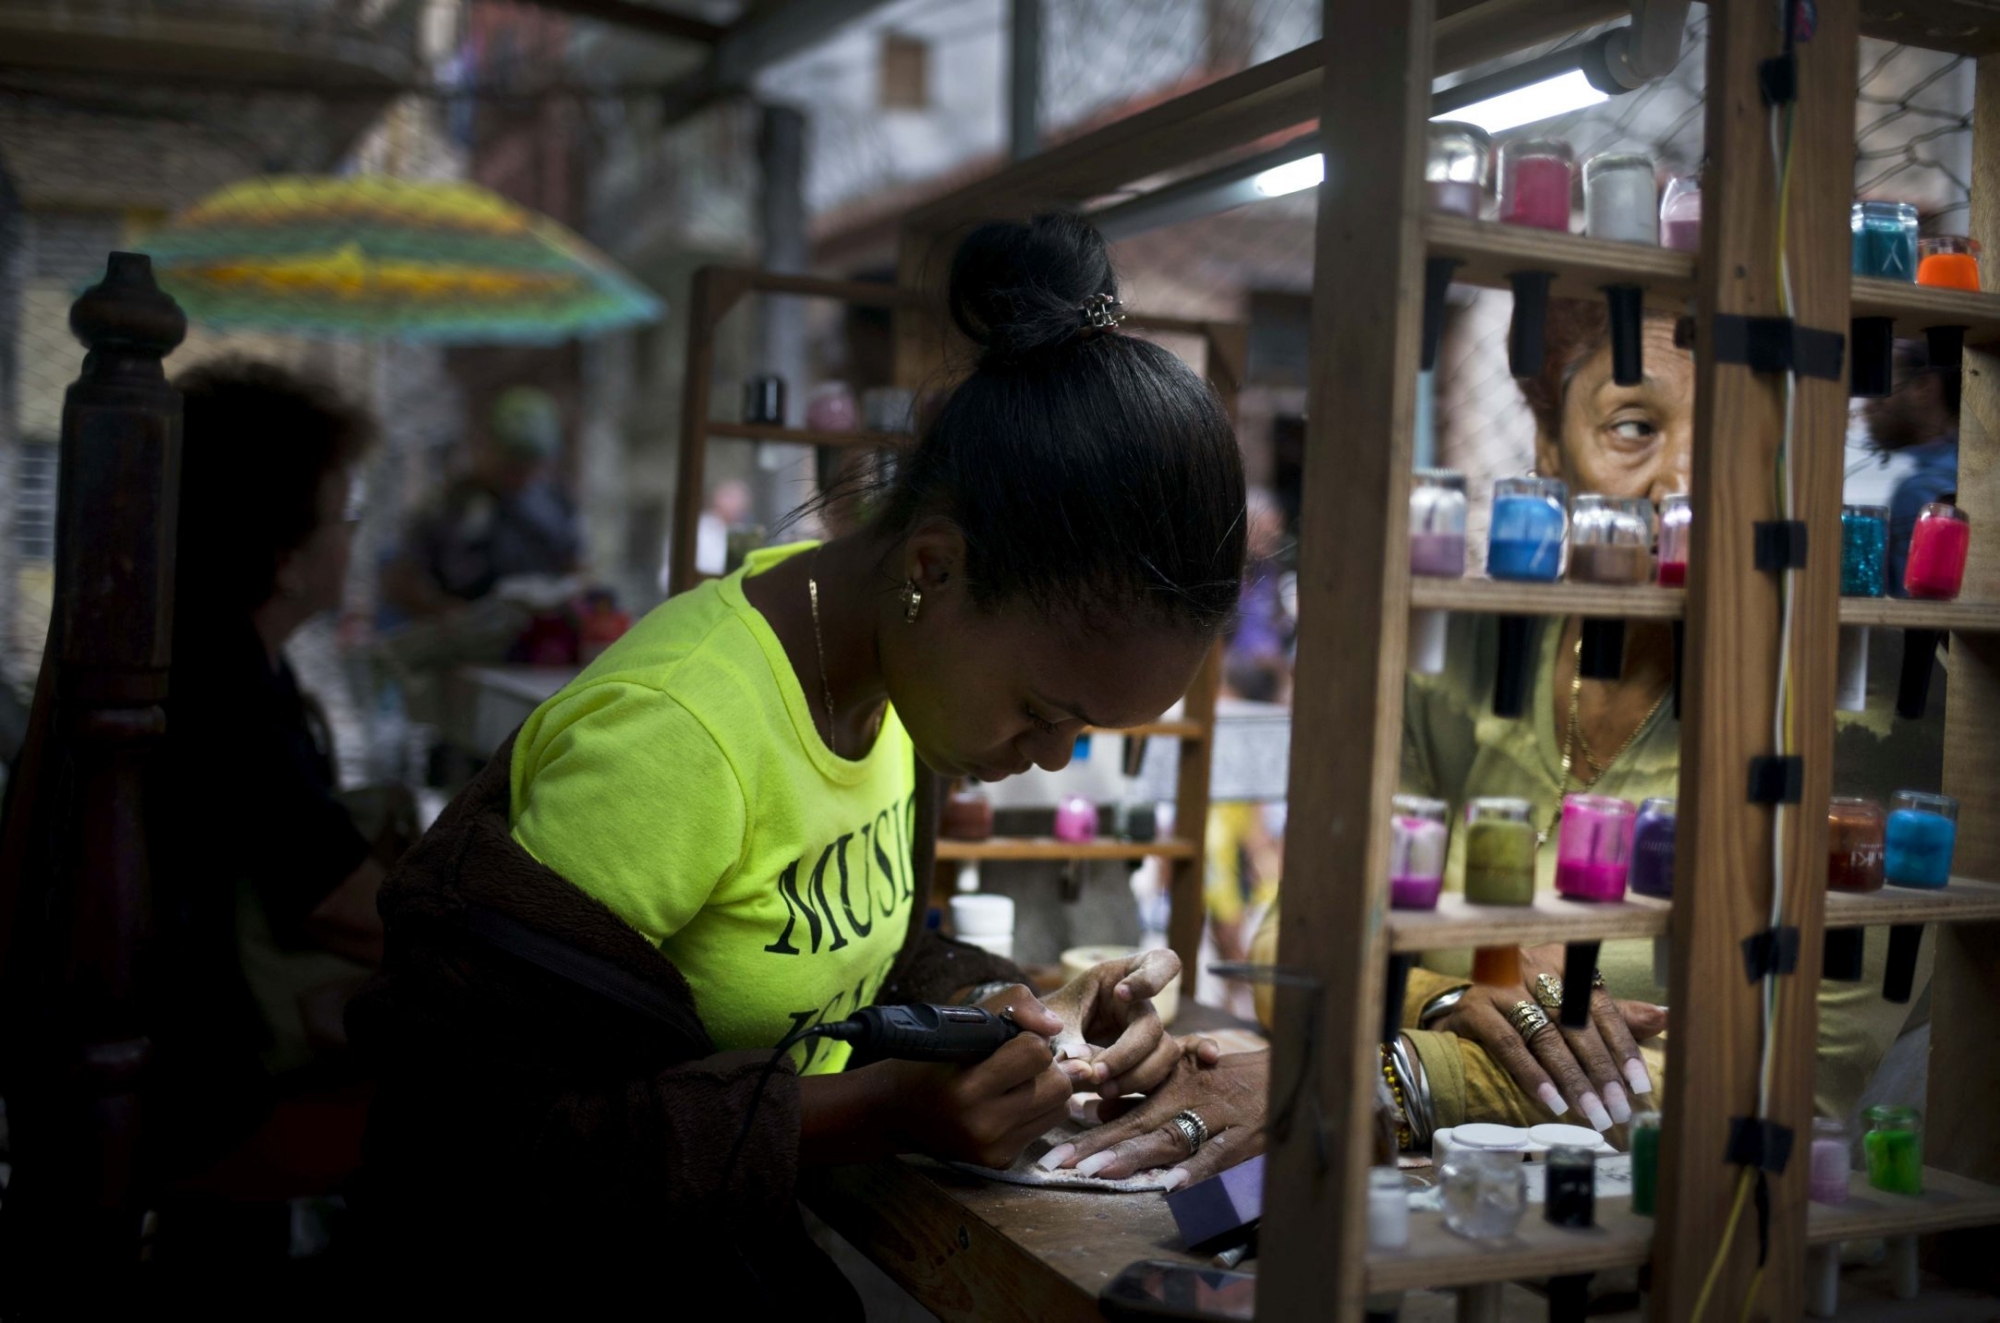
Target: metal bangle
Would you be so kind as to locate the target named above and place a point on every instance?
(985, 990)
(1416, 1092)
(1441, 1004)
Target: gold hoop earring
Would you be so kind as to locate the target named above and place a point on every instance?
(913, 601)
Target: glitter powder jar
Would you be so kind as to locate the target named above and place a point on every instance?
(1455, 168)
(1620, 200)
(1417, 840)
(1645, 1135)
(1680, 214)
(1864, 550)
(1855, 836)
(1499, 852)
(1676, 530)
(1525, 538)
(1919, 838)
(1610, 540)
(1885, 240)
(1936, 568)
(1594, 847)
(1948, 261)
(1437, 523)
(1535, 184)
(1569, 1190)
(1826, 1173)
(1652, 871)
(1894, 1148)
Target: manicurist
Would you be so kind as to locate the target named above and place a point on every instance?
(704, 842)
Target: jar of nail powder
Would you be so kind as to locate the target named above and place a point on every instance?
(1455, 168)
(1680, 214)
(1620, 200)
(1676, 537)
(1569, 1189)
(1864, 550)
(1437, 523)
(1652, 872)
(1948, 261)
(1417, 841)
(1525, 538)
(1885, 240)
(1499, 851)
(1826, 1173)
(1919, 838)
(1610, 540)
(1076, 819)
(1645, 1136)
(1388, 1209)
(1854, 843)
(1938, 543)
(1594, 847)
(1485, 1192)
(1894, 1149)
(1535, 183)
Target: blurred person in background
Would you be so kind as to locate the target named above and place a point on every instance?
(266, 876)
(1260, 638)
(1918, 418)
(508, 519)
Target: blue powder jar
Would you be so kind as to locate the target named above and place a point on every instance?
(1864, 550)
(1922, 830)
(1525, 540)
(1885, 240)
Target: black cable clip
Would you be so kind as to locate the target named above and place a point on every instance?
(1778, 544)
(1777, 344)
(1758, 1143)
(1776, 779)
(1773, 951)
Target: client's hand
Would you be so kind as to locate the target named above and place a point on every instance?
(1226, 1092)
(1590, 1068)
(1110, 1008)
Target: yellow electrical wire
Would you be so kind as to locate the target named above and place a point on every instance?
(1722, 1252)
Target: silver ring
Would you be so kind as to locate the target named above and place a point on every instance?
(1193, 1129)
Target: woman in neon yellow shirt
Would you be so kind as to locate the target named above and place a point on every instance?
(723, 807)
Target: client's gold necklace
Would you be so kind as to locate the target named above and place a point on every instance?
(819, 647)
(1573, 740)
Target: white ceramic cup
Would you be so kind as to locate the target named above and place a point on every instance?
(1080, 960)
(1001, 944)
(978, 914)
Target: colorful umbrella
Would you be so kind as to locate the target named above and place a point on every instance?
(434, 260)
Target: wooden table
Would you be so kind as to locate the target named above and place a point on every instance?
(969, 1248)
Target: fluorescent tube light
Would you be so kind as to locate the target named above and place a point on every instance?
(1306, 172)
(1544, 100)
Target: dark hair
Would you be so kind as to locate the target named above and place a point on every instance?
(1912, 359)
(1086, 468)
(257, 442)
(1576, 330)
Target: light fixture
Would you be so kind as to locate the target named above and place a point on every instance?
(1306, 172)
(1544, 100)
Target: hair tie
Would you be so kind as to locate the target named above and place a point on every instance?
(1101, 312)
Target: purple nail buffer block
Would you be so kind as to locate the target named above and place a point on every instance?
(1220, 1204)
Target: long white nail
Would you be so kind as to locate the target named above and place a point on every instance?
(1614, 1099)
(1083, 1109)
(1636, 1076)
(1551, 1099)
(1593, 1107)
(1177, 1178)
(1056, 1156)
(1096, 1162)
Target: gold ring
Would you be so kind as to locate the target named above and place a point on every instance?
(1549, 991)
(1528, 1019)
(1596, 978)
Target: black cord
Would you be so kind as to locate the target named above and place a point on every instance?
(789, 1042)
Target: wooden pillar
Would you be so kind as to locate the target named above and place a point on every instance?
(78, 992)
(1965, 979)
(1353, 604)
(1723, 892)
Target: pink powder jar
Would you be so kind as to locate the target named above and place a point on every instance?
(1594, 847)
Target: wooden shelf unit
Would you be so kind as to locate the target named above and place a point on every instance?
(716, 292)
(1438, 1259)
(1963, 901)
(1457, 923)
(1947, 1203)
(1366, 89)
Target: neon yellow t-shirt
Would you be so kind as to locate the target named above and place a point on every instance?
(681, 781)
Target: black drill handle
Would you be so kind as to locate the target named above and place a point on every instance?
(926, 1033)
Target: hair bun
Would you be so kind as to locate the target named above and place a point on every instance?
(1017, 288)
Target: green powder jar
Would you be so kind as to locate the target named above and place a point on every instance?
(1499, 852)
(1894, 1147)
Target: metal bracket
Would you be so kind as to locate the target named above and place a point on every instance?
(1777, 344)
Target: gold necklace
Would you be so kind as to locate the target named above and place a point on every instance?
(819, 647)
(1573, 739)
